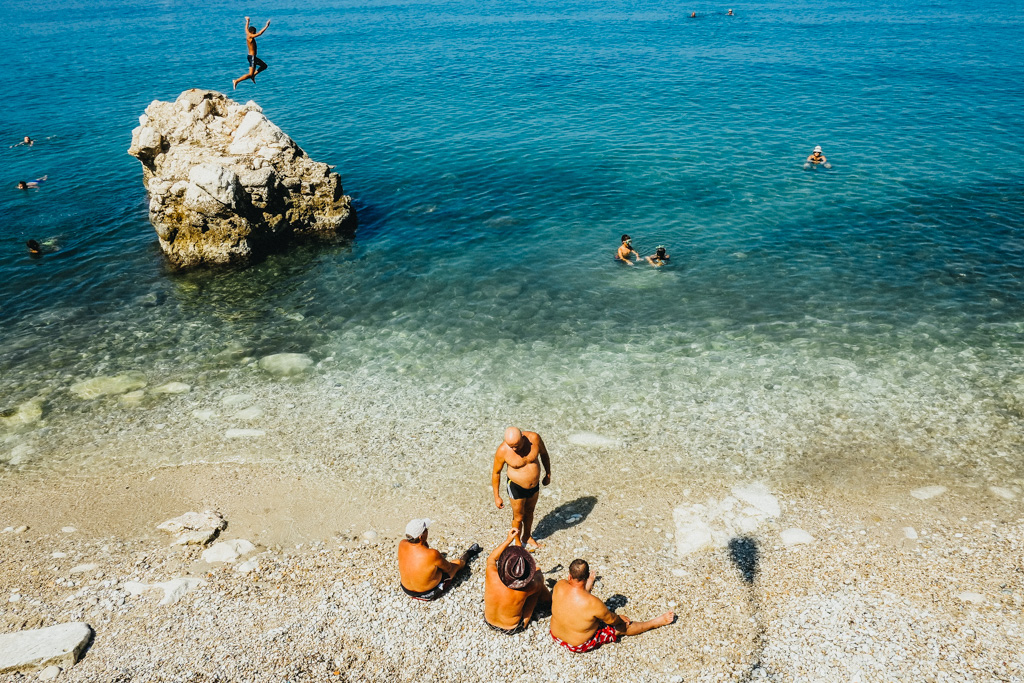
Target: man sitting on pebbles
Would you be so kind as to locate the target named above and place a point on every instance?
(513, 587)
(580, 622)
(425, 573)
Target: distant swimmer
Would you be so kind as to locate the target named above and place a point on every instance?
(660, 258)
(817, 159)
(693, 15)
(256, 65)
(34, 248)
(26, 141)
(31, 184)
(625, 249)
(729, 13)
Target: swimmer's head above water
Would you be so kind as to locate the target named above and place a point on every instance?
(22, 185)
(626, 239)
(660, 252)
(34, 247)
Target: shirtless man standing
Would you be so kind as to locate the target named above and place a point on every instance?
(425, 574)
(513, 587)
(520, 451)
(580, 622)
(256, 65)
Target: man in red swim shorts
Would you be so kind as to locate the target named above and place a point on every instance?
(580, 622)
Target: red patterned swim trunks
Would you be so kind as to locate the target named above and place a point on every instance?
(605, 635)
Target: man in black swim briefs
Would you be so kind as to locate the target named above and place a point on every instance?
(520, 451)
(425, 573)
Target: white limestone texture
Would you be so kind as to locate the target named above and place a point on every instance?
(174, 590)
(792, 537)
(226, 185)
(928, 492)
(591, 440)
(194, 528)
(34, 649)
(702, 526)
(227, 551)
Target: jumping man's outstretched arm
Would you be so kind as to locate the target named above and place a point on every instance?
(260, 33)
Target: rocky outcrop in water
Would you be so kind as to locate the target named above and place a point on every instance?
(226, 185)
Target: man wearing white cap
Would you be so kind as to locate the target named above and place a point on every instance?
(817, 158)
(425, 573)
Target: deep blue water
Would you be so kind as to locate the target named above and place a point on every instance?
(495, 153)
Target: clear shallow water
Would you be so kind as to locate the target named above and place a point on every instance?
(495, 154)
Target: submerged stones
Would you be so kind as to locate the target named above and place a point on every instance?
(591, 440)
(711, 525)
(60, 645)
(27, 413)
(226, 185)
(108, 386)
(286, 364)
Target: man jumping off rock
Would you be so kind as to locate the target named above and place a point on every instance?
(256, 65)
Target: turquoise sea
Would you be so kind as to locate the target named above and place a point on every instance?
(495, 152)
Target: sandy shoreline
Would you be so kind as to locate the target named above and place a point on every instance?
(862, 602)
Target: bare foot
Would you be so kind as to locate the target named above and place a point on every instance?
(665, 619)
(234, 85)
(534, 545)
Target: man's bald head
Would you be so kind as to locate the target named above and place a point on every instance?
(513, 436)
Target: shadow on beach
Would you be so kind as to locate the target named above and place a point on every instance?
(565, 516)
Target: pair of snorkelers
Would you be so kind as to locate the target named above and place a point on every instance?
(658, 259)
(256, 65)
(693, 15)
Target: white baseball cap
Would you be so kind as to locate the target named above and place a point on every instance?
(416, 527)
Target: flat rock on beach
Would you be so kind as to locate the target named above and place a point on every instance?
(37, 648)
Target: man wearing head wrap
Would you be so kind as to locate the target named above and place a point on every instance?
(513, 587)
(520, 451)
(426, 574)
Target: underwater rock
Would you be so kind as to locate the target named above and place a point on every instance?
(286, 364)
(106, 386)
(227, 186)
(25, 414)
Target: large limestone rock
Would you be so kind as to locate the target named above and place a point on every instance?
(226, 185)
(37, 648)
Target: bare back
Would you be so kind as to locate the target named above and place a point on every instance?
(576, 615)
(420, 567)
(527, 474)
(503, 606)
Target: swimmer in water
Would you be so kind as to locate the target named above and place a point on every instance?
(27, 141)
(34, 248)
(625, 249)
(729, 13)
(693, 15)
(817, 158)
(30, 184)
(660, 258)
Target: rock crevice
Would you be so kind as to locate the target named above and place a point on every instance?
(226, 185)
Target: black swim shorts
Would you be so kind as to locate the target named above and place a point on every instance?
(517, 492)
